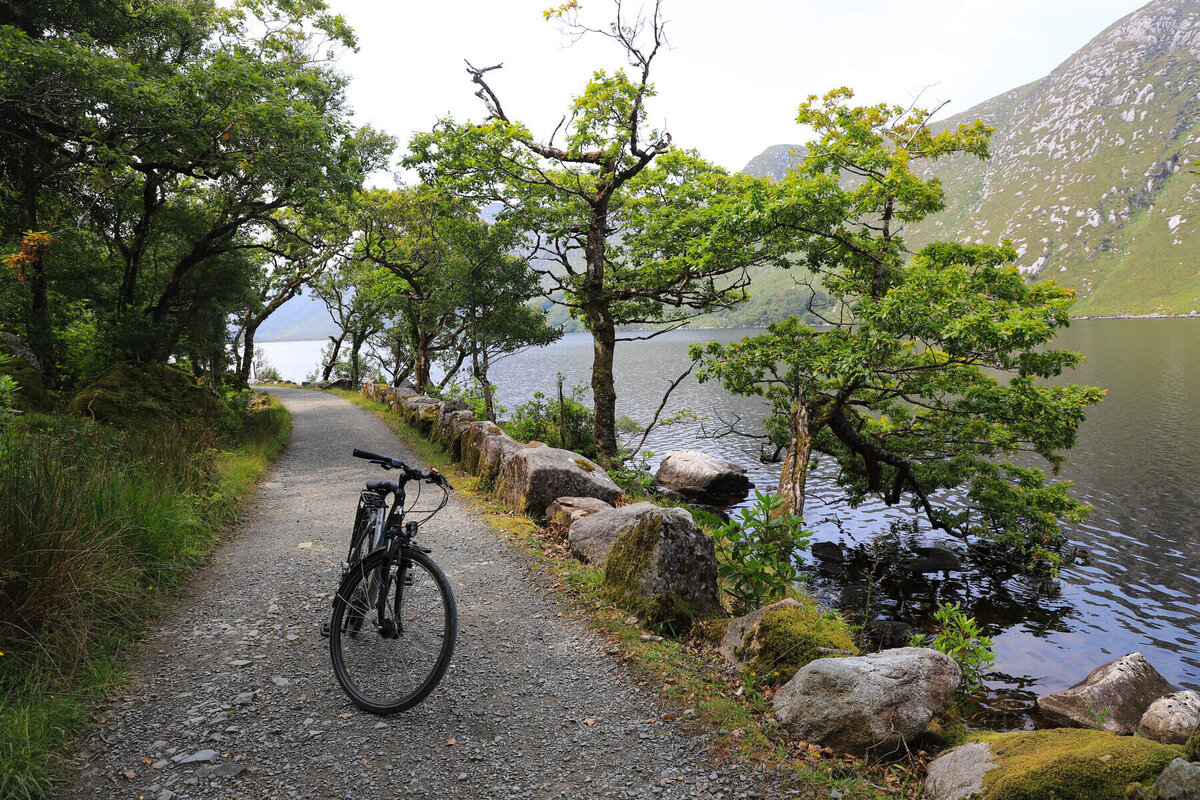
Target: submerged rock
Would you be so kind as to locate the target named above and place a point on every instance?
(1113, 697)
(870, 704)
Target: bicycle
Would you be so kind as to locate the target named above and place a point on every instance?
(390, 660)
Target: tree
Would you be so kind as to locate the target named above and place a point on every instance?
(171, 135)
(359, 300)
(628, 231)
(929, 380)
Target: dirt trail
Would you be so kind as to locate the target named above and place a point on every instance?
(239, 667)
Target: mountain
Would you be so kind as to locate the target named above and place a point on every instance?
(303, 317)
(1091, 169)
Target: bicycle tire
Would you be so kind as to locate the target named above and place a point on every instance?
(387, 676)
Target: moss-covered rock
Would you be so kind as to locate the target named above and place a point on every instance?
(664, 570)
(19, 362)
(789, 636)
(1191, 750)
(1056, 764)
(129, 390)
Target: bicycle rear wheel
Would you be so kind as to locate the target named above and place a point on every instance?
(379, 673)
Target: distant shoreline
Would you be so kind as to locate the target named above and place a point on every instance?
(1190, 315)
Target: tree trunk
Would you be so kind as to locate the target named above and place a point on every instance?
(333, 356)
(604, 392)
(489, 407)
(247, 351)
(421, 357)
(794, 476)
(41, 331)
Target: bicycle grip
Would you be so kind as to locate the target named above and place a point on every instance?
(370, 456)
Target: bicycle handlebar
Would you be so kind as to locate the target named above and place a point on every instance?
(394, 463)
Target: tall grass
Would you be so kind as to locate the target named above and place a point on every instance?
(97, 526)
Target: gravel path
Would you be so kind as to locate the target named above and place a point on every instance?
(234, 697)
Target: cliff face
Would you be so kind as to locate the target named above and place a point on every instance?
(1090, 174)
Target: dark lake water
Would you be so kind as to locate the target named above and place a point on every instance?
(1137, 463)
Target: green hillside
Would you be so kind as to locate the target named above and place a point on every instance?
(1090, 174)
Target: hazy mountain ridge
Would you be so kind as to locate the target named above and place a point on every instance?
(1089, 175)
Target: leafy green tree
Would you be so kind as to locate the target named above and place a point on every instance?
(928, 381)
(172, 134)
(627, 230)
(360, 299)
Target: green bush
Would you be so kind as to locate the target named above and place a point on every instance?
(756, 553)
(958, 635)
(567, 425)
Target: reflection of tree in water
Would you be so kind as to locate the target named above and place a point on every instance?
(901, 577)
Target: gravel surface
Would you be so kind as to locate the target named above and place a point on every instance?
(234, 697)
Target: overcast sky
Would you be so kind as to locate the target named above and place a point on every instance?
(736, 71)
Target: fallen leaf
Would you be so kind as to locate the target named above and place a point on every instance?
(129, 774)
(345, 716)
(147, 760)
(451, 740)
(589, 721)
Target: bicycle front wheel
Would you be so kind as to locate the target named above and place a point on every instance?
(390, 670)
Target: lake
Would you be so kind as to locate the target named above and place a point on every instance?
(1137, 585)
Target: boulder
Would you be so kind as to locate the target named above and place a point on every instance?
(471, 442)
(340, 383)
(534, 477)
(426, 416)
(1112, 697)
(459, 422)
(592, 537)
(934, 559)
(664, 570)
(867, 704)
(411, 406)
(497, 452)
(699, 477)
(565, 510)
(129, 391)
(443, 425)
(1172, 718)
(777, 640)
(828, 551)
(22, 366)
(1179, 781)
(1057, 764)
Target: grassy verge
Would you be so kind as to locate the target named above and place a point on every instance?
(689, 675)
(98, 526)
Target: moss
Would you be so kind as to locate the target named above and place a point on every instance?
(1070, 764)
(31, 391)
(129, 391)
(632, 554)
(1191, 750)
(788, 638)
(585, 465)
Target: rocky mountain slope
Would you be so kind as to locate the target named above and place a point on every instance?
(1091, 170)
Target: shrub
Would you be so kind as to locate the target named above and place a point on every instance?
(756, 553)
(567, 424)
(958, 635)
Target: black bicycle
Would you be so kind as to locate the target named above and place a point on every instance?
(394, 616)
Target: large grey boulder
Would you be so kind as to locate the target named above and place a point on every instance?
(412, 407)
(664, 569)
(701, 478)
(497, 451)
(1172, 718)
(867, 704)
(443, 426)
(470, 442)
(534, 477)
(592, 537)
(958, 773)
(1179, 781)
(1113, 696)
(565, 510)
(459, 422)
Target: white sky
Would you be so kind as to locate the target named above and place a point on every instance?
(736, 71)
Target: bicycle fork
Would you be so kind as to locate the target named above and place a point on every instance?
(392, 628)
